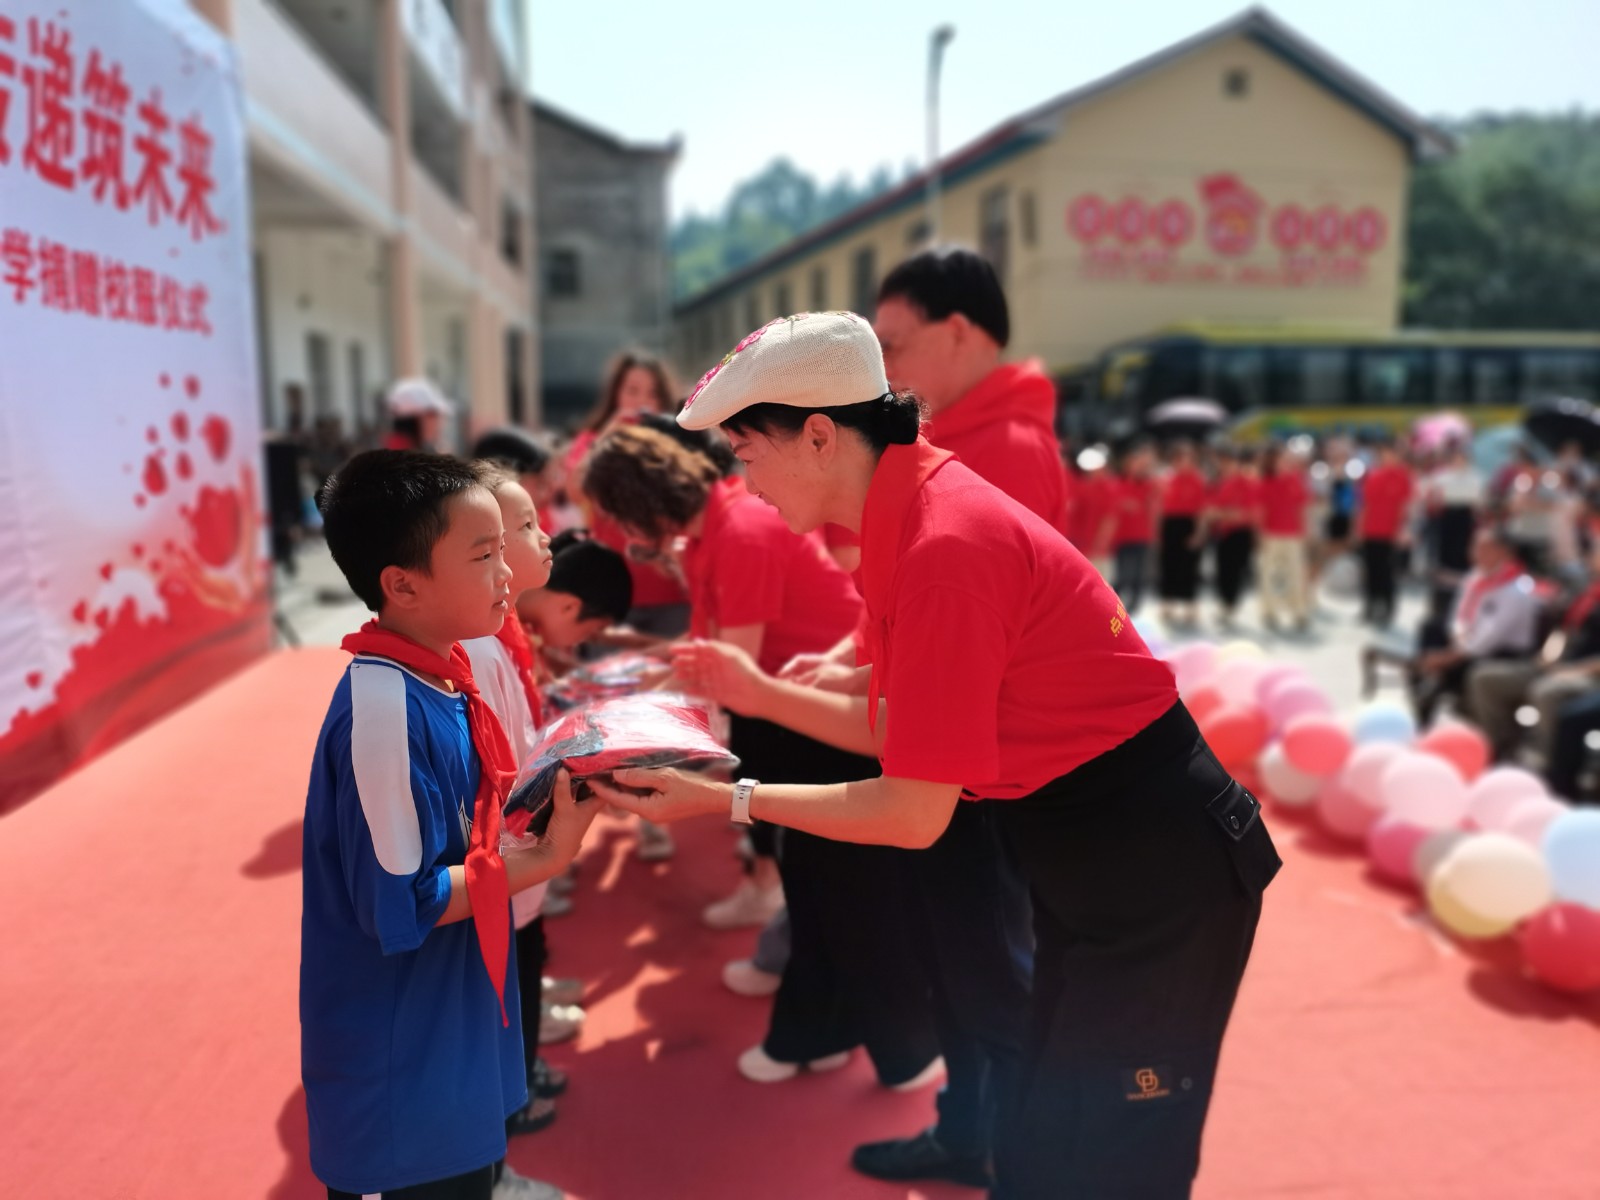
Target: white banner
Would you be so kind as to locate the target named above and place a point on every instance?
(130, 568)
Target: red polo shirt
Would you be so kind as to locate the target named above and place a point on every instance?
(1284, 497)
(1384, 495)
(1004, 429)
(1183, 493)
(1133, 502)
(1237, 491)
(1091, 501)
(748, 568)
(1005, 659)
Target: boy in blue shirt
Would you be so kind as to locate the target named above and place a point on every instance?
(411, 1046)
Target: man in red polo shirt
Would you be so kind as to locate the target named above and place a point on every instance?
(943, 323)
(1385, 503)
(1284, 496)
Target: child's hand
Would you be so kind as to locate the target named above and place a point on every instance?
(554, 852)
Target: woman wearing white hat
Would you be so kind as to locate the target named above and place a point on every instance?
(1009, 674)
(418, 410)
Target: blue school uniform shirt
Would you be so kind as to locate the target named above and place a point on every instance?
(409, 1073)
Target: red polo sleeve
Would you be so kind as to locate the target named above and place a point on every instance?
(947, 655)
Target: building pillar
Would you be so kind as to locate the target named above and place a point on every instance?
(532, 380)
(405, 317)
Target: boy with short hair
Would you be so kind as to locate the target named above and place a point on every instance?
(411, 1047)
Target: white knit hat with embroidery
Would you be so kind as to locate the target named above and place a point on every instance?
(810, 360)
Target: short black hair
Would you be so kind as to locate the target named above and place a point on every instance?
(386, 508)
(596, 574)
(952, 280)
(515, 449)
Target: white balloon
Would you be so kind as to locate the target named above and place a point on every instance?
(1239, 649)
(1425, 791)
(1497, 878)
(1530, 818)
(1494, 794)
(1291, 788)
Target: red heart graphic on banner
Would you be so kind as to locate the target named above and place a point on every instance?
(35, 678)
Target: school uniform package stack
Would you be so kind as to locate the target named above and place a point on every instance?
(604, 679)
(651, 730)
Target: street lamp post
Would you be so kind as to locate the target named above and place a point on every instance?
(937, 41)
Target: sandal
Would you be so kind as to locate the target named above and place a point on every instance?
(540, 1114)
(545, 1082)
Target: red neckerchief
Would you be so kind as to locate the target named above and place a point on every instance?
(900, 476)
(1482, 585)
(486, 870)
(515, 639)
(1582, 607)
(719, 503)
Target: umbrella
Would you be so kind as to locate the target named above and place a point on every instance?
(1562, 419)
(1439, 430)
(1186, 417)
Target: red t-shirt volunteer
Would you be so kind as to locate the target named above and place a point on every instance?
(1239, 494)
(1384, 495)
(1184, 493)
(1133, 502)
(1091, 501)
(651, 587)
(748, 568)
(1004, 429)
(1284, 498)
(1005, 659)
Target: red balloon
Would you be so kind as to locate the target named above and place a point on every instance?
(1316, 744)
(1236, 734)
(1561, 947)
(1460, 745)
(1203, 702)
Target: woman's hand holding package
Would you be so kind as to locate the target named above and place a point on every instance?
(663, 794)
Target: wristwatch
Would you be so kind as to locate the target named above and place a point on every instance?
(741, 801)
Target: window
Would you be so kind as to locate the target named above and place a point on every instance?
(783, 299)
(1237, 377)
(510, 233)
(1489, 376)
(1547, 373)
(917, 233)
(561, 274)
(320, 371)
(1236, 83)
(819, 289)
(864, 284)
(1394, 377)
(752, 313)
(356, 360)
(1028, 219)
(994, 234)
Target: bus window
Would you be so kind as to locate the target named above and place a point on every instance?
(1172, 371)
(1236, 377)
(1393, 377)
(1324, 378)
(1547, 373)
(1449, 383)
(1489, 377)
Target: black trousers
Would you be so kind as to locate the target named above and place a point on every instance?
(474, 1185)
(1378, 580)
(1147, 866)
(976, 940)
(1130, 566)
(533, 955)
(1569, 747)
(853, 977)
(1233, 565)
(1180, 561)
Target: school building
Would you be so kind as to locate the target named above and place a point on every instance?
(1243, 175)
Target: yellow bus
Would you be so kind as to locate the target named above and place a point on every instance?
(1276, 380)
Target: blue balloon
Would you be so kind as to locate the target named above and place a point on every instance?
(1572, 852)
(1384, 721)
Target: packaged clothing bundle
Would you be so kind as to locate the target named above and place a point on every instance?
(615, 675)
(657, 729)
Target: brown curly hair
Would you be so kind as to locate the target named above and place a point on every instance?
(646, 481)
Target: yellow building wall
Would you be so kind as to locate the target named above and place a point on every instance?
(1289, 141)
(1286, 142)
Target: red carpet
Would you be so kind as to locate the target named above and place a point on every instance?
(149, 1042)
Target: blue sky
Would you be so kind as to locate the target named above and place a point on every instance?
(838, 86)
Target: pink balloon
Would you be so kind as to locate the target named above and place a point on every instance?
(1237, 679)
(1345, 813)
(1529, 818)
(1391, 846)
(1461, 745)
(1235, 734)
(1423, 790)
(1316, 744)
(1276, 676)
(1296, 699)
(1363, 773)
(1192, 664)
(1496, 793)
